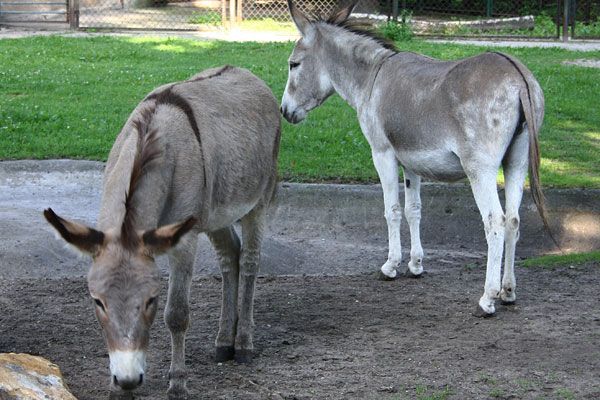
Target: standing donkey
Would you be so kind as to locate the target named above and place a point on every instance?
(442, 120)
(194, 156)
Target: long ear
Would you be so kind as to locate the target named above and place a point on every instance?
(302, 23)
(86, 239)
(343, 14)
(166, 237)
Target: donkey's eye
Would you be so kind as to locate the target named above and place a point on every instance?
(294, 65)
(151, 301)
(99, 304)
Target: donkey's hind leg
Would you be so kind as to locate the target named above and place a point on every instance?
(485, 191)
(412, 211)
(227, 247)
(515, 166)
(252, 232)
(177, 311)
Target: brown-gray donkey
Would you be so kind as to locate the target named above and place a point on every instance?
(194, 156)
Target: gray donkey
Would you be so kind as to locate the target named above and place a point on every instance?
(194, 156)
(443, 120)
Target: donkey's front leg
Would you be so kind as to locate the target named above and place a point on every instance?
(252, 233)
(181, 262)
(227, 246)
(387, 169)
(412, 211)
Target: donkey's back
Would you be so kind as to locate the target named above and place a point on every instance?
(219, 135)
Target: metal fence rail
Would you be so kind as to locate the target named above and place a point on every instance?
(33, 11)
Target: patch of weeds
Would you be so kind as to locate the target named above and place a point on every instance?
(559, 260)
(471, 266)
(566, 394)
(496, 393)
(487, 379)
(399, 31)
(423, 393)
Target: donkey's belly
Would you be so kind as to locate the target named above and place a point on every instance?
(223, 216)
(439, 165)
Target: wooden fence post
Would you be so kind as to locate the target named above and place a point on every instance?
(73, 13)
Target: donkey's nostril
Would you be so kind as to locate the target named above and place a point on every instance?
(141, 379)
(115, 380)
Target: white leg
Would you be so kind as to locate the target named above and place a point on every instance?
(387, 169)
(412, 211)
(483, 184)
(515, 171)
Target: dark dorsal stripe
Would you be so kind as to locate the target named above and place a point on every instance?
(168, 97)
(147, 151)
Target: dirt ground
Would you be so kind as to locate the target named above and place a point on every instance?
(345, 337)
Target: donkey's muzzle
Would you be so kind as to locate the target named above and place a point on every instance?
(290, 116)
(128, 383)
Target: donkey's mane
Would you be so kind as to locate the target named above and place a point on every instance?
(146, 152)
(358, 27)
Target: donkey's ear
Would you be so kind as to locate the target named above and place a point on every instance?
(166, 237)
(85, 239)
(301, 21)
(343, 14)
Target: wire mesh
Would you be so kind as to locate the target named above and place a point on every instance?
(151, 14)
(509, 18)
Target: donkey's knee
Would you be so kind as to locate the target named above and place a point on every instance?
(495, 226)
(177, 317)
(393, 215)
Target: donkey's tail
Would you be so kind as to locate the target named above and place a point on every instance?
(528, 107)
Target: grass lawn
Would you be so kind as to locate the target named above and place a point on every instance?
(68, 98)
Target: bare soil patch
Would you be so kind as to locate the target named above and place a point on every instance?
(584, 63)
(344, 337)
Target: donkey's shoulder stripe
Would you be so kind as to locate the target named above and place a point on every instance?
(169, 97)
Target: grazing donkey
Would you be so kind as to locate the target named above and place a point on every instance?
(441, 120)
(195, 156)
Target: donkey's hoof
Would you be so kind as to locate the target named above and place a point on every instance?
(243, 356)
(383, 277)
(481, 313)
(177, 391)
(508, 297)
(410, 274)
(224, 353)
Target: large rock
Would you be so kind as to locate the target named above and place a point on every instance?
(27, 377)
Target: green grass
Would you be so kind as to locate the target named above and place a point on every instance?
(68, 98)
(561, 260)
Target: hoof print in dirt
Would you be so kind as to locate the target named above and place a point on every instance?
(383, 277)
(243, 356)
(479, 313)
(224, 353)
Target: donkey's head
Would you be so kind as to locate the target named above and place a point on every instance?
(124, 283)
(309, 84)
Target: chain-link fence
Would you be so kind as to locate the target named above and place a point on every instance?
(477, 18)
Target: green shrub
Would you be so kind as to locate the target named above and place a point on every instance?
(399, 31)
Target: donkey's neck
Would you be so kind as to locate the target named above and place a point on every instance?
(148, 200)
(352, 62)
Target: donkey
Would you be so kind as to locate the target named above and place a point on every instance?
(441, 120)
(194, 156)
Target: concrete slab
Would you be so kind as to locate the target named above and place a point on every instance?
(314, 229)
